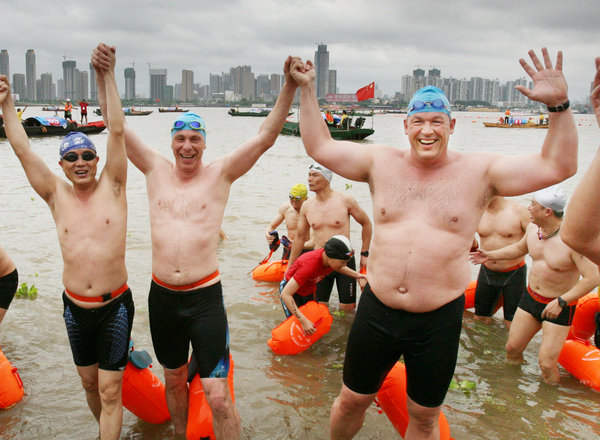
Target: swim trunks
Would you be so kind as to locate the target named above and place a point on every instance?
(491, 284)
(534, 304)
(8, 288)
(428, 341)
(346, 286)
(197, 316)
(100, 335)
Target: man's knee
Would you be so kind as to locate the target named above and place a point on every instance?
(423, 418)
(110, 393)
(219, 400)
(176, 378)
(349, 402)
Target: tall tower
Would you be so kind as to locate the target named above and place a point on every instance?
(187, 85)
(30, 76)
(322, 70)
(93, 88)
(129, 83)
(158, 81)
(69, 80)
(4, 66)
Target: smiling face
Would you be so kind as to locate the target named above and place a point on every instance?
(537, 213)
(428, 134)
(188, 147)
(80, 172)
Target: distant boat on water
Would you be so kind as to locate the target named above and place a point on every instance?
(354, 132)
(55, 126)
(502, 125)
(173, 110)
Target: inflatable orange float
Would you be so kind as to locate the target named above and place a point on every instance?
(584, 324)
(270, 271)
(11, 385)
(582, 360)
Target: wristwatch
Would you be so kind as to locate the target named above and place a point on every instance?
(559, 108)
(561, 302)
(365, 253)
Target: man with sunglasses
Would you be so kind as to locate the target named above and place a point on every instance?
(427, 203)
(91, 221)
(187, 200)
(325, 215)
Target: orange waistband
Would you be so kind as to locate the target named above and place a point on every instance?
(510, 269)
(544, 299)
(101, 298)
(198, 283)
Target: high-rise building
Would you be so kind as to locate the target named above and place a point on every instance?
(4, 65)
(69, 80)
(242, 81)
(19, 87)
(215, 84)
(332, 83)
(60, 88)
(187, 85)
(322, 70)
(81, 85)
(93, 87)
(263, 86)
(130, 83)
(30, 75)
(158, 81)
(276, 81)
(45, 90)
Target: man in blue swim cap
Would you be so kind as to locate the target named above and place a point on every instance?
(427, 203)
(187, 199)
(91, 219)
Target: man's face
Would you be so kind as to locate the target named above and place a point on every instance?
(188, 147)
(296, 203)
(428, 134)
(80, 171)
(537, 212)
(316, 181)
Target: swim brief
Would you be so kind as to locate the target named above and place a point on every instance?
(511, 284)
(8, 288)
(100, 335)
(428, 341)
(346, 286)
(197, 316)
(298, 299)
(534, 304)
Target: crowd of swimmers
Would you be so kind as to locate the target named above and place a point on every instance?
(426, 211)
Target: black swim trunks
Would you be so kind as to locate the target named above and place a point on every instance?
(8, 287)
(346, 286)
(100, 335)
(491, 284)
(535, 306)
(428, 341)
(197, 316)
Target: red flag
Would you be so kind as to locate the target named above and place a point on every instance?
(367, 92)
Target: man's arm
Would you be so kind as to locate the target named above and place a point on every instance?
(43, 181)
(362, 218)
(578, 232)
(279, 217)
(290, 288)
(510, 252)
(239, 161)
(514, 175)
(302, 235)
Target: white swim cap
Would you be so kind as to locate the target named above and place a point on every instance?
(553, 198)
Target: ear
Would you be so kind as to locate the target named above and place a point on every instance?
(406, 125)
(452, 124)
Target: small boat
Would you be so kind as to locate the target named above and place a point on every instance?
(257, 112)
(502, 125)
(53, 109)
(354, 132)
(173, 110)
(134, 112)
(55, 126)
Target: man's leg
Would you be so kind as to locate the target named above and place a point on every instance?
(176, 389)
(2, 313)
(226, 420)
(111, 417)
(348, 413)
(523, 328)
(89, 381)
(553, 339)
(423, 422)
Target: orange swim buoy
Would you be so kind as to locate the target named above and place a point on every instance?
(584, 324)
(270, 271)
(289, 338)
(11, 385)
(391, 397)
(200, 420)
(144, 394)
(582, 360)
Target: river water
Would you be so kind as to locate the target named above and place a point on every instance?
(277, 397)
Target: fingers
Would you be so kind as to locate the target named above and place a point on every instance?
(526, 67)
(559, 60)
(535, 60)
(547, 61)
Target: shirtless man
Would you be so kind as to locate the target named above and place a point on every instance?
(426, 209)
(559, 276)
(289, 212)
(187, 201)
(504, 222)
(9, 281)
(91, 221)
(328, 214)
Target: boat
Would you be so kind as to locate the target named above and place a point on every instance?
(134, 112)
(353, 112)
(502, 125)
(55, 126)
(173, 110)
(251, 112)
(354, 132)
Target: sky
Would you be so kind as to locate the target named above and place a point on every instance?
(368, 40)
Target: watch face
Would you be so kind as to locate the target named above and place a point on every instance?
(561, 302)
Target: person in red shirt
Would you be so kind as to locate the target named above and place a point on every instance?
(300, 281)
(83, 105)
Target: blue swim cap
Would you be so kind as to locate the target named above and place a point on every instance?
(189, 121)
(75, 141)
(429, 99)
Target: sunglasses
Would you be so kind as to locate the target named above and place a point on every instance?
(194, 125)
(436, 104)
(86, 155)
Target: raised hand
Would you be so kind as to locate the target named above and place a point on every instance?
(549, 84)
(4, 88)
(103, 57)
(302, 73)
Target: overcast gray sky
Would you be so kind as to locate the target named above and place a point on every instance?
(368, 40)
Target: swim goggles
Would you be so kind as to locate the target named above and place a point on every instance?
(296, 197)
(316, 167)
(86, 155)
(194, 125)
(436, 104)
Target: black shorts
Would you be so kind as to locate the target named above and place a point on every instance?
(491, 284)
(428, 341)
(535, 308)
(100, 335)
(346, 286)
(8, 287)
(197, 316)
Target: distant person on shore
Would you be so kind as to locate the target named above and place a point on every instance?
(68, 109)
(507, 116)
(290, 212)
(558, 278)
(20, 113)
(91, 221)
(187, 200)
(426, 210)
(503, 222)
(328, 214)
(9, 279)
(83, 106)
(300, 282)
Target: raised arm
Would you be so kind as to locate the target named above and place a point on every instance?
(578, 232)
(239, 161)
(514, 175)
(43, 181)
